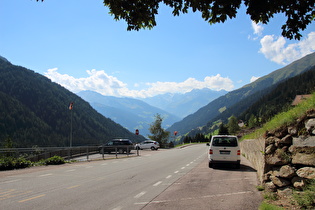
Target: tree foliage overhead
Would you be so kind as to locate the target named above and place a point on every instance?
(141, 13)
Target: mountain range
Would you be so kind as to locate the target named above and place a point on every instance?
(35, 110)
(185, 104)
(130, 113)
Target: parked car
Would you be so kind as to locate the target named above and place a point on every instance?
(148, 144)
(224, 149)
(117, 145)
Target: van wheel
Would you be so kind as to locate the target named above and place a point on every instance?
(120, 151)
(152, 148)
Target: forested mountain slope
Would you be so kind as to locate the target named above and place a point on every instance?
(35, 111)
(213, 109)
(271, 101)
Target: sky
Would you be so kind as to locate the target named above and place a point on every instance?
(77, 44)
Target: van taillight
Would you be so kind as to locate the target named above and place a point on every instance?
(211, 152)
(238, 152)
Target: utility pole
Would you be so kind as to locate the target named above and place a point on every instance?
(70, 108)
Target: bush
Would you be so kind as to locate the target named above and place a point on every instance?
(10, 163)
(55, 160)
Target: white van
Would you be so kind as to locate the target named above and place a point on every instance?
(224, 149)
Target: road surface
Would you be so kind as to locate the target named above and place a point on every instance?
(163, 179)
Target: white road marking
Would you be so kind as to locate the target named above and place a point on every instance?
(183, 168)
(169, 176)
(158, 183)
(140, 194)
(176, 172)
(192, 198)
(44, 175)
(15, 180)
(70, 170)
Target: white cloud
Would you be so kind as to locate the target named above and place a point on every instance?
(275, 49)
(105, 84)
(258, 29)
(253, 79)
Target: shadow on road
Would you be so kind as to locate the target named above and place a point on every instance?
(230, 167)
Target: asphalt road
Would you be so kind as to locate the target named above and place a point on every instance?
(163, 179)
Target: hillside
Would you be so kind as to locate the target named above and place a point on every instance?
(35, 111)
(128, 112)
(218, 106)
(271, 101)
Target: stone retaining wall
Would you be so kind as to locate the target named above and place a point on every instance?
(285, 158)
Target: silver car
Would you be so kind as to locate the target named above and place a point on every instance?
(148, 144)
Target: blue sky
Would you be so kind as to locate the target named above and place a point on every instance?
(77, 44)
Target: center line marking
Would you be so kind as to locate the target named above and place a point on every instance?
(32, 198)
(140, 194)
(44, 175)
(176, 172)
(158, 183)
(169, 176)
(15, 180)
(73, 187)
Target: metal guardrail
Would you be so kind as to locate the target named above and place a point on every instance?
(39, 153)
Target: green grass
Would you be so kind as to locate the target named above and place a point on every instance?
(268, 206)
(284, 118)
(306, 198)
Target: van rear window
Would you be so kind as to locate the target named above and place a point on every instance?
(224, 141)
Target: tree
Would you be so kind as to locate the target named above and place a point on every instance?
(233, 125)
(223, 130)
(252, 122)
(158, 133)
(141, 14)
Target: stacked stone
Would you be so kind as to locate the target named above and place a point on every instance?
(290, 157)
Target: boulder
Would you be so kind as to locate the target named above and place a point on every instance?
(270, 149)
(287, 140)
(298, 182)
(292, 130)
(287, 171)
(310, 125)
(271, 140)
(270, 187)
(303, 159)
(303, 141)
(280, 182)
(306, 172)
(278, 158)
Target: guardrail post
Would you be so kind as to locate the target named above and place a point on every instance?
(116, 151)
(103, 152)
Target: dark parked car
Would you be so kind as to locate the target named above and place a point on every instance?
(117, 145)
